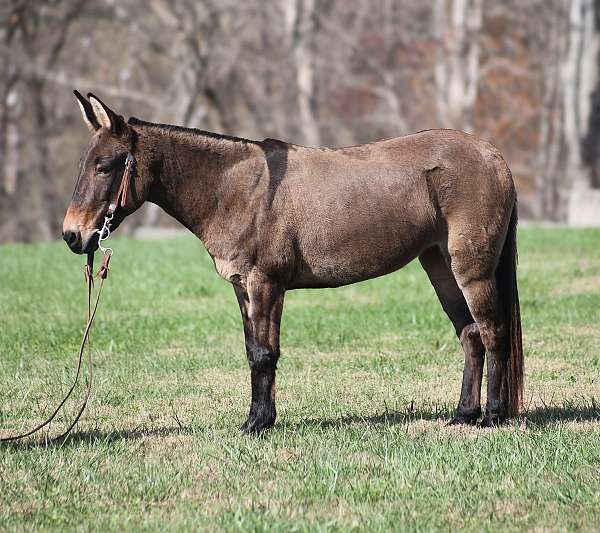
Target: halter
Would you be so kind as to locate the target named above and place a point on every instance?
(120, 200)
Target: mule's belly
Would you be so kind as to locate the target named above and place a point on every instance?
(361, 236)
(328, 271)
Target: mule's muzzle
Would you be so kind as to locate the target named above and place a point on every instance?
(80, 243)
(79, 230)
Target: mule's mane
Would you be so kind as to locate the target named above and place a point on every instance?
(193, 131)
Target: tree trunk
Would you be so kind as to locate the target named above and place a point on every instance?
(457, 27)
(591, 145)
(550, 173)
(579, 78)
(48, 221)
(300, 19)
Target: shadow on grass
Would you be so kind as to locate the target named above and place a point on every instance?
(97, 436)
(389, 418)
(548, 415)
(582, 411)
(571, 411)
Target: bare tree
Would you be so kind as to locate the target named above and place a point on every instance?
(300, 22)
(579, 74)
(34, 36)
(569, 74)
(457, 31)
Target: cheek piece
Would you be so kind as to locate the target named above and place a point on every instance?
(119, 201)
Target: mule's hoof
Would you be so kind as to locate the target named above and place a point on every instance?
(459, 420)
(468, 418)
(492, 421)
(256, 425)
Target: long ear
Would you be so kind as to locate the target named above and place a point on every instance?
(87, 112)
(106, 117)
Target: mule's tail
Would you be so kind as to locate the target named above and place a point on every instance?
(506, 279)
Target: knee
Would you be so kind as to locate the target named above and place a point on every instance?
(261, 359)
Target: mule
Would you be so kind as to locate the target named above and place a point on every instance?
(276, 216)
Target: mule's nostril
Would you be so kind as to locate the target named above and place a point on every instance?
(71, 238)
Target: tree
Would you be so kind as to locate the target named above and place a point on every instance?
(457, 27)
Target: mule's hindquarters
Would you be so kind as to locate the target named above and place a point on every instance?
(483, 262)
(475, 280)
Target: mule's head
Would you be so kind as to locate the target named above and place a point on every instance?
(100, 173)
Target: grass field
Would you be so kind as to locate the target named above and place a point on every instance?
(368, 378)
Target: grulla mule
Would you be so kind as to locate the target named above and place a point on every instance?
(276, 216)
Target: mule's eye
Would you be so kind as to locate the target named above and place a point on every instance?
(103, 169)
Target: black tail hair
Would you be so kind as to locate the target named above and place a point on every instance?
(506, 279)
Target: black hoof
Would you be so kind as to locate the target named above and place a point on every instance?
(255, 425)
(462, 421)
(491, 421)
(468, 418)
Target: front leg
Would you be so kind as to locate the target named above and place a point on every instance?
(261, 306)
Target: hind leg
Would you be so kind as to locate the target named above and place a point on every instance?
(469, 406)
(474, 261)
(484, 303)
(455, 306)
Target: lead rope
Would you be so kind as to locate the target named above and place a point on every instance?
(102, 273)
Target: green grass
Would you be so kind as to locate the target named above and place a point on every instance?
(369, 376)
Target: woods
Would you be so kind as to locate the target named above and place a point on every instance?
(522, 74)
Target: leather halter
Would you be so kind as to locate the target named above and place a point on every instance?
(121, 198)
(119, 201)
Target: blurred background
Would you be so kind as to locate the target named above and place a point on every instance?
(519, 73)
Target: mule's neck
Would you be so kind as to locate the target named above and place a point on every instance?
(189, 173)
